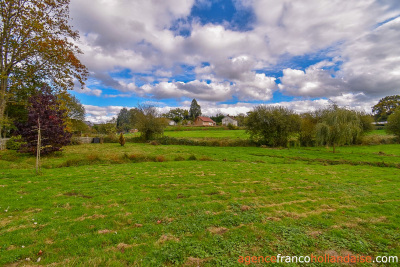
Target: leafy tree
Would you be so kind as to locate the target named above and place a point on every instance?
(272, 125)
(308, 123)
(339, 126)
(109, 128)
(241, 118)
(45, 113)
(195, 110)
(37, 45)
(149, 123)
(393, 125)
(75, 110)
(385, 107)
(133, 116)
(366, 121)
(123, 120)
(177, 114)
(218, 117)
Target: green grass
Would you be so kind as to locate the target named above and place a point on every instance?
(208, 134)
(377, 132)
(201, 206)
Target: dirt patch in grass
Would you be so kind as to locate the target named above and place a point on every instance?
(167, 237)
(194, 261)
(245, 208)
(93, 217)
(218, 230)
(76, 194)
(105, 231)
(314, 234)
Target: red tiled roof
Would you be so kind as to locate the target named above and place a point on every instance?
(205, 119)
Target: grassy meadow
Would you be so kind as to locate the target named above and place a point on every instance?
(159, 205)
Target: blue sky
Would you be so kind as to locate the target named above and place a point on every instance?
(234, 54)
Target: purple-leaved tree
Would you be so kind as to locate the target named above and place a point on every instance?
(44, 112)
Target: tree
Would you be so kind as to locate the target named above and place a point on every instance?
(149, 123)
(37, 46)
(339, 126)
(385, 107)
(272, 125)
(195, 110)
(218, 117)
(393, 125)
(123, 120)
(307, 128)
(177, 114)
(45, 113)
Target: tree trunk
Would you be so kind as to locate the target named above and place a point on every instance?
(3, 101)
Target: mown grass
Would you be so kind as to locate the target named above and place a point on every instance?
(146, 205)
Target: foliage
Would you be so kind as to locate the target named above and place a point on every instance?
(393, 125)
(241, 118)
(121, 139)
(14, 143)
(149, 123)
(272, 125)
(366, 121)
(109, 128)
(37, 45)
(218, 118)
(73, 107)
(177, 114)
(123, 120)
(44, 111)
(385, 107)
(308, 123)
(195, 110)
(339, 126)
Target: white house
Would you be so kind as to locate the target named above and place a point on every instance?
(229, 120)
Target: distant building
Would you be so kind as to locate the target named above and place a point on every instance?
(204, 121)
(229, 120)
(171, 122)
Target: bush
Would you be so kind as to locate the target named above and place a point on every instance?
(393, 125)
(192, 157)
(121, 139)
(272, 125)
(14, 143)
(232, 127)
(179, 158)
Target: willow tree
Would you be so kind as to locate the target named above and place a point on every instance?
(339, 126)
(37, 45)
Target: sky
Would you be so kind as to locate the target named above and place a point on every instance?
(232, 55)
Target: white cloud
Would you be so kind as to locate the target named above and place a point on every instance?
(141, 37)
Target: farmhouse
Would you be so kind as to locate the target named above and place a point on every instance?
(204, 121)
(171, 122)
(229, 120)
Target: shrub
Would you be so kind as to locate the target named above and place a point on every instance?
(272, 125)
(232, 127)
(160, 158)
(14, 143)
(192, 157)
(393, 125)
(121, 139)
(179, 158)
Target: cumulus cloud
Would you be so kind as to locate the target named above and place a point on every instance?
(357, 42)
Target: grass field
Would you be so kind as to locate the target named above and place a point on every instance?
(145, 205)
(208, 134)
